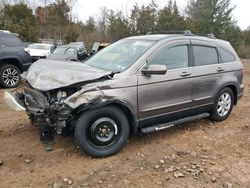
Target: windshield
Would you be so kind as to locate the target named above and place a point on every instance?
(120, 55)
(65, 51)
(39, 46)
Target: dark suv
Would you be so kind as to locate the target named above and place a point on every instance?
(13, 59)
(139, 84)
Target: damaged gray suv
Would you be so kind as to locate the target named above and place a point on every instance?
(137, 85)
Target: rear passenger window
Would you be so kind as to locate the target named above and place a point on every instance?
(174, 58)
(205, 55)
(225, 55)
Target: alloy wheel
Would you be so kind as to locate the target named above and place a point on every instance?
(10, 76)
(224, 104)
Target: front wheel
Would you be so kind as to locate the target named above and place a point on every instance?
(102, 132)
(223, 105)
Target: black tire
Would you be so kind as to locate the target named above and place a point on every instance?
(94, 138)
(219, 116)
(9, 76)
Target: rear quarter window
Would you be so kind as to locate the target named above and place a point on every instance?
(225, 56)
(205, 55)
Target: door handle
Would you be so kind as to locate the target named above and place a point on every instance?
(184, 74)
(220, 69)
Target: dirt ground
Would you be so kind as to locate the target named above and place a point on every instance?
(199, 154)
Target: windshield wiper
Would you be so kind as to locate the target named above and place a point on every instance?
(111, 75)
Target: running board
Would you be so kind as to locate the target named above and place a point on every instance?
(160, 127)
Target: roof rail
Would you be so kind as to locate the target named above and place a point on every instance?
(185, 32)
(209, 35)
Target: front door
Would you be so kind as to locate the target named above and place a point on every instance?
(162, 98)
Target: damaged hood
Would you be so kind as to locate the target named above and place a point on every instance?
(47, 75)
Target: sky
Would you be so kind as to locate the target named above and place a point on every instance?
(83, 9)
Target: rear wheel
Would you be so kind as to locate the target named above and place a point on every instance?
(9, 76)
(223, 105)
(102, 132)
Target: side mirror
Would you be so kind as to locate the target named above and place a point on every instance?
(156, 69)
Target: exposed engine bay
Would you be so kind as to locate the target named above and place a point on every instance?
(50, 101)
(48, 107)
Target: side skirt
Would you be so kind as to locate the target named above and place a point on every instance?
(159, 127)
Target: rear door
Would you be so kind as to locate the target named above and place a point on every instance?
(208, 72)
(162, 98)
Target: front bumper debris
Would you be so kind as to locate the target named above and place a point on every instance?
(14, 100)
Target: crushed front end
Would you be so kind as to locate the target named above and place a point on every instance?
(43, 108)
(47, 108)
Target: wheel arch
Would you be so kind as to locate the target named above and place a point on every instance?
(234, 88)
(128, 110)
(11, 61)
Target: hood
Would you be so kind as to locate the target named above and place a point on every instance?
(47, 75)
(37, 52)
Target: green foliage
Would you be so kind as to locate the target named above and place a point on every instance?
(118, 26)
(247, 38)
(54, 21)
(170, 18)
(19, 18)
(233, 34)
(210, 15)
(90, 25)
(71, 34)
(206, 16)
(143, 19)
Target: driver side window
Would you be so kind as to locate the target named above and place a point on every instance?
(174, 57)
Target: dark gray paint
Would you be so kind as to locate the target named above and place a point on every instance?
(145, 96)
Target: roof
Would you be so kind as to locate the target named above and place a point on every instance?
(155, 37)
(5, 32)
(158, 37)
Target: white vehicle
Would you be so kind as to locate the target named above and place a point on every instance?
(40, 50)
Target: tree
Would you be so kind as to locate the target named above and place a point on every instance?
(210, 15)
(134, 18)
(118, 26)
(206, 16)
(88, 32)
(247, 37)
(170, 18)
(102, 23)
(19, 18)
(143, 19)
(53, 20)
(71, 34)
